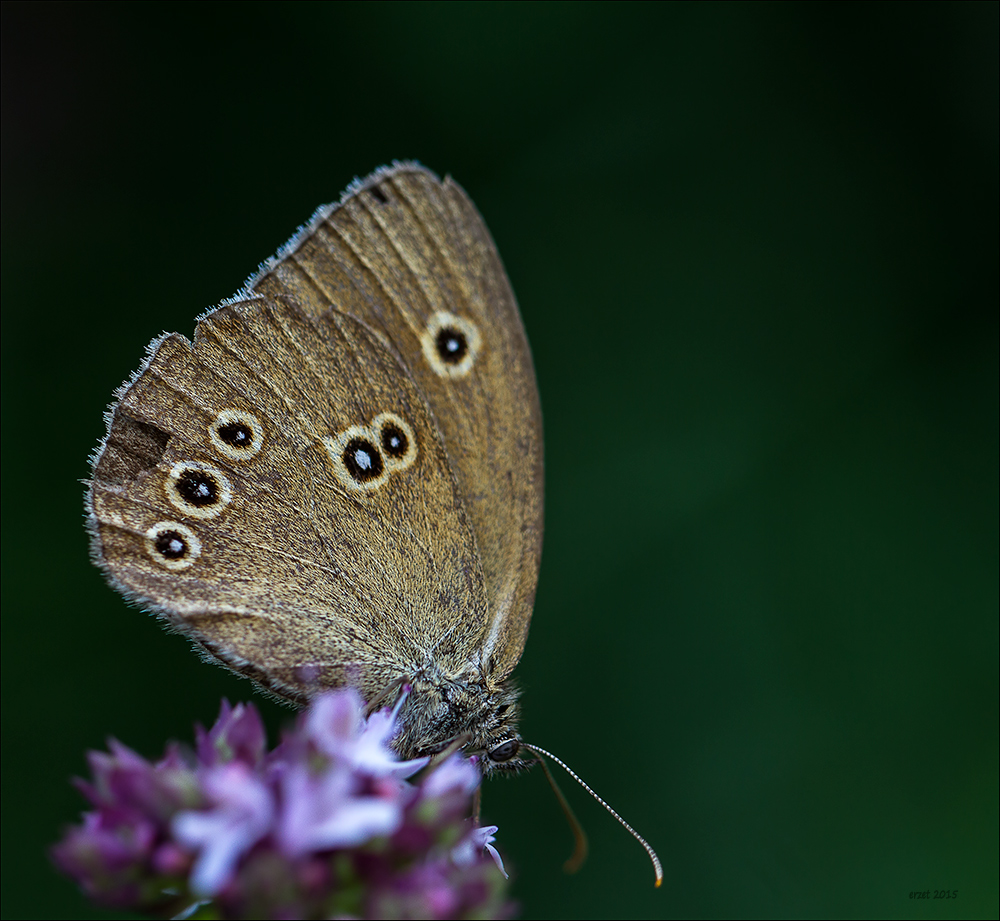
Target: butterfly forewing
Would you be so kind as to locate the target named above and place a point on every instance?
(411, 256)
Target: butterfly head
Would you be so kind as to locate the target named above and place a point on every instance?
(498, 743)
(440, 714)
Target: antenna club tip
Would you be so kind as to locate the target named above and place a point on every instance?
(659, 879)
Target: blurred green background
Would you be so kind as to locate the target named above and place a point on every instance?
(760, 242)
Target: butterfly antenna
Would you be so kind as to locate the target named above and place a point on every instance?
(657, 866)
(579, 854)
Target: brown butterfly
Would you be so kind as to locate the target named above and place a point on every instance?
(339, 481)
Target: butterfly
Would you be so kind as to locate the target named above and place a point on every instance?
(338, 481)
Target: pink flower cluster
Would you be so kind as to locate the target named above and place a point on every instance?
(325, 825)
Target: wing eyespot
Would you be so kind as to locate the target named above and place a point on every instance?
(198, 490)
(358, 464)
(173, 545)
(236, 434)
(451, 344)
(364, 456)
(362, 460)
(397, 440)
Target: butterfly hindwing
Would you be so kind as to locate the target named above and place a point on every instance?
(267, 551)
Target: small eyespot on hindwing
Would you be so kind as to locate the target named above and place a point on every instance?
(236, 434)
(397, 440)
(198, 490)
(172, 544)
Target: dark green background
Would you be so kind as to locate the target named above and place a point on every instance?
(756, 252)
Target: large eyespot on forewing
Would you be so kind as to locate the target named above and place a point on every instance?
(450, 344)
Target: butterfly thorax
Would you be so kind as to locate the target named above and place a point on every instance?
(440, 710)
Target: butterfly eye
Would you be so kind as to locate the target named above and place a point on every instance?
(505, 750)
(172, 545)
(451, 344)
(197, 489)
(237, 434)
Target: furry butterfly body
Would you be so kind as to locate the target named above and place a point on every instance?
(339, 480)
